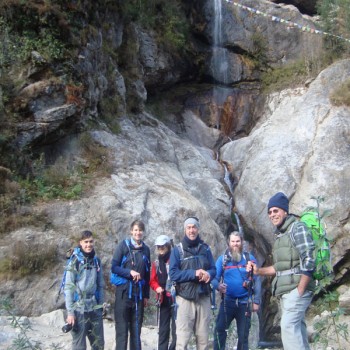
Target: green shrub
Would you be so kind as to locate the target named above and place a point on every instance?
(22, 341)
(16, 46)
(54, 182)
(289, 75)
(25, 259)
(164, 17)
(329, 330)
(335, 19)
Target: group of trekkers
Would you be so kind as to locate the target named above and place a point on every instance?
(183, 278)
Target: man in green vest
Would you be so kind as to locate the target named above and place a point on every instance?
(293, 265)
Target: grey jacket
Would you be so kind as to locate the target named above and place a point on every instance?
(83, 284)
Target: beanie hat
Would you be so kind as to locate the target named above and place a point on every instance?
(279, 200)
(162, 240)
(191, 221)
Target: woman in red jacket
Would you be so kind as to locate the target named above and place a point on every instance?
(161, 284)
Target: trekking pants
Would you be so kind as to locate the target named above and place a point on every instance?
(293, 326)
(90, 325)
(166, 322)
(128, 316)
(230, 309)
(193, 317)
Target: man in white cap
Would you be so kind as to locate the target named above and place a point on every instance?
(192, 267)
(161, 284)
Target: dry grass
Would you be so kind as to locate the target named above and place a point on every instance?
(27, 259)
(341, 94)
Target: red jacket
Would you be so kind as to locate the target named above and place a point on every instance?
(154, 283)
(154, 278)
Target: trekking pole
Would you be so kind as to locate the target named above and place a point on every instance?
(223, 301)
(138, 339)
(248, 308)
(137, 324)
(212, 298)
(213, 308)
(173, 299)
(250, 290)
(158, 315)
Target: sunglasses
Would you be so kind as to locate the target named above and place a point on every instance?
(161, 246)
(273, 211)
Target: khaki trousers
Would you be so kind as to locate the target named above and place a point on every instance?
(193, 318)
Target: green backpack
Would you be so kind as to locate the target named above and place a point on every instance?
(323, 260)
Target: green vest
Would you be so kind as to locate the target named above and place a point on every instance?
(286, 259)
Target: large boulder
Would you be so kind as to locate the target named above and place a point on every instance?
(299, 147)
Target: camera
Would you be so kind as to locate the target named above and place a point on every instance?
(67, 328)
(247, 284)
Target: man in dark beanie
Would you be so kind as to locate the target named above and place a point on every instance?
(192, 268)
(293, 267)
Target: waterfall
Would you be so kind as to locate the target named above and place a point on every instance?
(219, 61)
(227, 179)
(218, 65)
(239, 225)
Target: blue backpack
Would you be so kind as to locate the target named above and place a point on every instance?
(79, 264)
(117, 280)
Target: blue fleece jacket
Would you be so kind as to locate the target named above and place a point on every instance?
(234, 274)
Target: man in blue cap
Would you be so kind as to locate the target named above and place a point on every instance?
(293, 266)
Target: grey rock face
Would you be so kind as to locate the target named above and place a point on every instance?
(158, 177)
(299, 147)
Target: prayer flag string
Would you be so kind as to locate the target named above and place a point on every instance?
(290, 24)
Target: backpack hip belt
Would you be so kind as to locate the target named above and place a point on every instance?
(295, 271)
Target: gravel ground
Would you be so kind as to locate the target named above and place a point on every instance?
(46, 330)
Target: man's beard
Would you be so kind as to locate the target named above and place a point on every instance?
(236, 255)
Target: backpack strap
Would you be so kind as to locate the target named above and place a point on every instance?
(181, 250)
(79, 260)
(125, 257)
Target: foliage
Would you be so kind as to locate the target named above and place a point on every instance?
(109, 112)
(11, 200)
(24, 30)
(335, 19)
(54, 181)
(286, 76)
(165, 17)
(175, 27)
(341, 94)
(63, 179)
(25, 260)
(22, 341)
(260, 49)
(329, 329)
